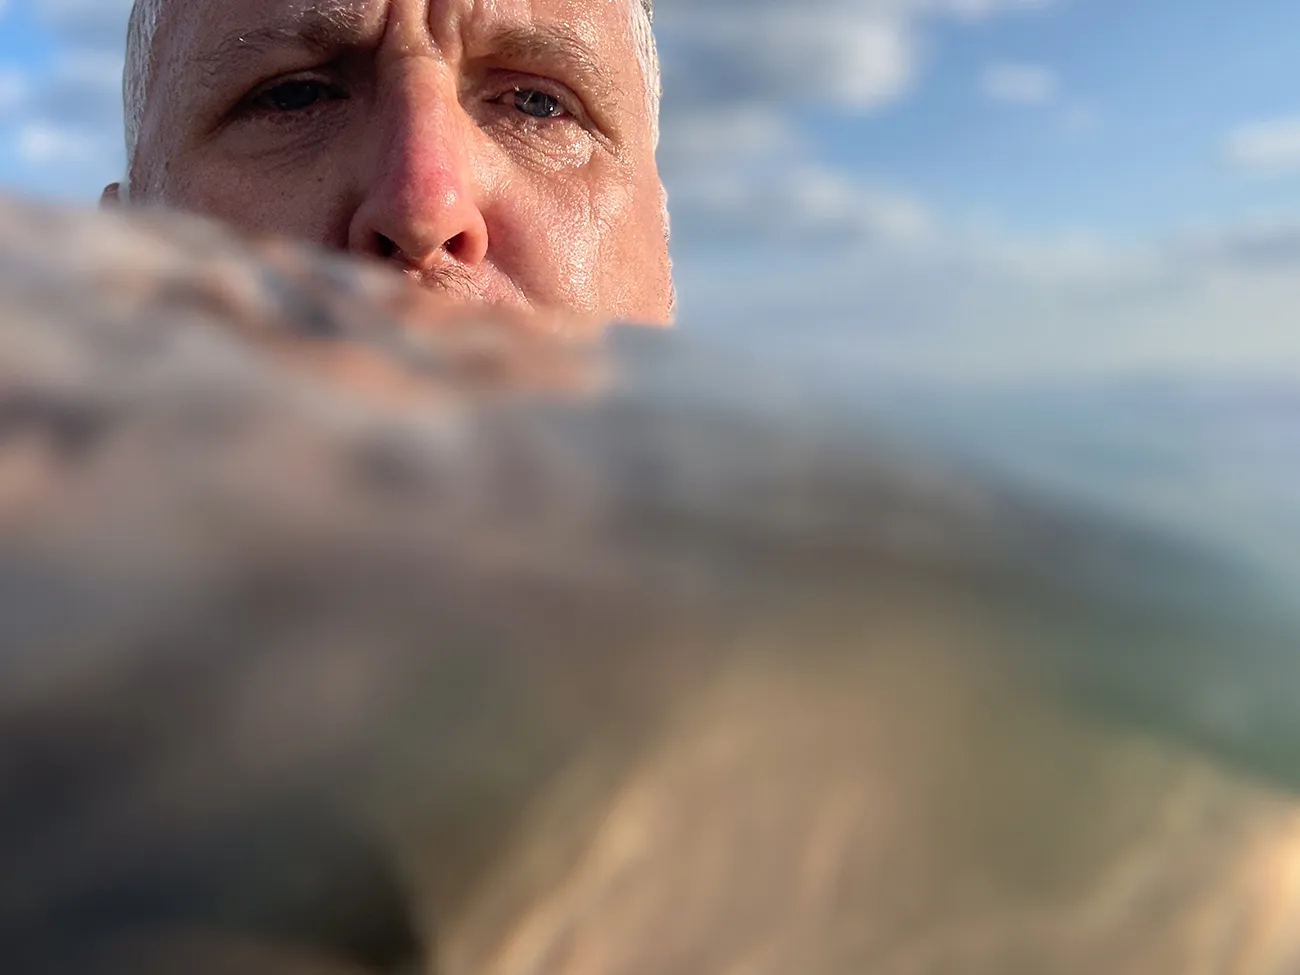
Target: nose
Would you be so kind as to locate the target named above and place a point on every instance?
(420, 199)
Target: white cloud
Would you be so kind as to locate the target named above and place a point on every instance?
(703, 138)
(63, 120)
(806, 207)
(1022, 84)
(852, 264)
(855, 54)
(779, 53)
(890, 285)
(740, 73)
(1266, 147)
(42, 144)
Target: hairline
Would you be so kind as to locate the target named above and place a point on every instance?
(142, 30)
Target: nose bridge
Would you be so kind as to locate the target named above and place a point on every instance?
(420, 150)
(422, 195)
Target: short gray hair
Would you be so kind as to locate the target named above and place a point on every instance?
(140, 32)
(143, 27)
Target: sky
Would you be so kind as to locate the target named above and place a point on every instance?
(1045, 189)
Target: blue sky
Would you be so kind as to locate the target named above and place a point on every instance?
(961, 186)
(1131, 139)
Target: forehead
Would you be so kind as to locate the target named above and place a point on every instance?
(188, 27)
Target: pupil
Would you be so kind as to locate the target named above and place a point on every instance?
(537, 104)
(294, 96)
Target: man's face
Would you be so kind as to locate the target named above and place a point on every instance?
(501, 150)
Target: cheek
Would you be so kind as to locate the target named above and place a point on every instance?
(306, 202)
(624, 255)
(546, 236)
(635, 272)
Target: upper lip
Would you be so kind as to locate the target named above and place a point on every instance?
(467, 285)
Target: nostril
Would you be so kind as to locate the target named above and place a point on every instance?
(456, 246)
(388, 249)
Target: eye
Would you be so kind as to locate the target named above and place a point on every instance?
(538, 104)
(294, 96)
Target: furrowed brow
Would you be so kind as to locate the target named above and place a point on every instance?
(320, 31)
(554, 49)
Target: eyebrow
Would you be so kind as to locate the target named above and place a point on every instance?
(330, 27)
(322, 28)
(551, 46)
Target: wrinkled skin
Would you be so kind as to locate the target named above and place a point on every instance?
(343, 635)
(496, 150)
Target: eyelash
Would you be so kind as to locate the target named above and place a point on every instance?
(255, 103)
(565, 102)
